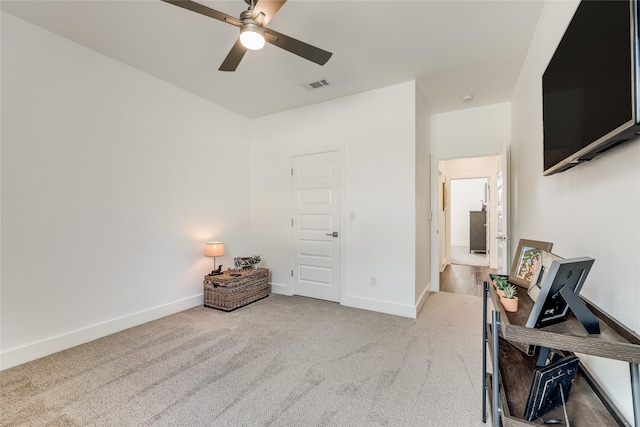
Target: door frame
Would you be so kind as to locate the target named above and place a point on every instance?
(344, 229)
(440, 202)
(505, 170)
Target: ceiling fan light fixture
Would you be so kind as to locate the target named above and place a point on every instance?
(252, 36)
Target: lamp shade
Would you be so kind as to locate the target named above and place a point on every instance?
(214, 249)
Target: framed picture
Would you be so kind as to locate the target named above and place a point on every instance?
(241, 262)
(552, 307)
(526, 260)
(541, 272)
(550, 387)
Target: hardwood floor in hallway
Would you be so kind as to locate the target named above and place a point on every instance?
(464, 279)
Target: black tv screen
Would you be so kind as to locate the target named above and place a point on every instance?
(589, 86)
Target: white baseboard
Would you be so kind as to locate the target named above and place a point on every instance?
(380, 306)
(36, 350)
(422, 300)
(279, 289)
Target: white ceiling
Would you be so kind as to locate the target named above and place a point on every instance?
(452, 48)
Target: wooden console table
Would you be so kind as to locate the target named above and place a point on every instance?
(234, 289)
(508, 387)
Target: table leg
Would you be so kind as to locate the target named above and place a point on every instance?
(495, 383)
(635, 392)
(484, 351)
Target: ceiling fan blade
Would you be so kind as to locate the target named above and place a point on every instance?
(206, 11)
(268, 7)
(234, 57)
(297, 47)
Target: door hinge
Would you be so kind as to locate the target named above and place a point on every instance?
(291, 171)
(291, 273)
(292, 222)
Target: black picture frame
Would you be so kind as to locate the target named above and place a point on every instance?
(559, 290)
(550, 387)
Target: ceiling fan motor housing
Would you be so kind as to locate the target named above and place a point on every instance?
(251, 34)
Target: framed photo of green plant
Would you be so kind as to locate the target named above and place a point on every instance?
(526, 260)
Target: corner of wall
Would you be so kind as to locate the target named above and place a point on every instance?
(280, 289)
(423, 298)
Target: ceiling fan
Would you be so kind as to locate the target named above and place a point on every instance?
(254, 32)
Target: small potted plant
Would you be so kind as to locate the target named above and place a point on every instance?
(509, 300)
(501, 283)
(254, 261)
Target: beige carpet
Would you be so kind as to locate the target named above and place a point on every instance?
(461, 255)
(282, 361)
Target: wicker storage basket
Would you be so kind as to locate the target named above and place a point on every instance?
(226, 292)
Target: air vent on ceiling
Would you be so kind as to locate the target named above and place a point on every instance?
(318, 84)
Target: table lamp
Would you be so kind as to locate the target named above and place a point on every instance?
(214, 249)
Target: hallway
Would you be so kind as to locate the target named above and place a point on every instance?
(464, 279)
(462, 255)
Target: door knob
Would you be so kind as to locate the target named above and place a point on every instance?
(334, 234)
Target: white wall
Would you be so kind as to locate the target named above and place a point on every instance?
(111, 183)
(466, 196)
(423, 200)
(590, 210)
(473, 132)
(376, 135)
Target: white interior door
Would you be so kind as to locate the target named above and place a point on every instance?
(503, 212)
(316, 226)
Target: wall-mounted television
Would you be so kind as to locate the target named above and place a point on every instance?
(590, 87)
